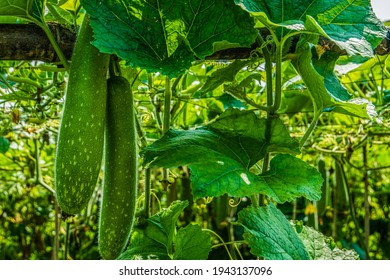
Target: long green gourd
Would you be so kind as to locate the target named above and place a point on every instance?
(81, 136)
(120, 170)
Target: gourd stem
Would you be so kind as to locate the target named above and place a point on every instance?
(278, 80)
(268, 70)
(54, 43)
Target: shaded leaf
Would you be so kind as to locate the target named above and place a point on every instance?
(161, 226)
(143, 247)
(191, 243)
(325, 65)
(158, 239)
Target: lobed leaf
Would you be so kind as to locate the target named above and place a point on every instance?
(221, 154)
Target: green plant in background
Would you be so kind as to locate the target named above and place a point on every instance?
(229, 147)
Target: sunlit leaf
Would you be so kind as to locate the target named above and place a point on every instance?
(321, 247)
(326, 96)
(270, 235)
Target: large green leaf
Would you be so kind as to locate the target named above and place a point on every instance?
(239, 135)
(351, 24)
(280, 183)
(321, 247)
(221, 153)
(270, 235)
(325, 65)
(26, 9)
(165, 35)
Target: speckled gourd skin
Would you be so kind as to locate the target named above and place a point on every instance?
(81, 136)
(120, 181)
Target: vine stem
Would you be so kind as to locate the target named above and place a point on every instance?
(278, 79)
(144, 143)
(340, 165)
(234, 243)
(223, 243)
(38, 172)
(24, 81)
(271, 106)
(312, 126)
(4, 80)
